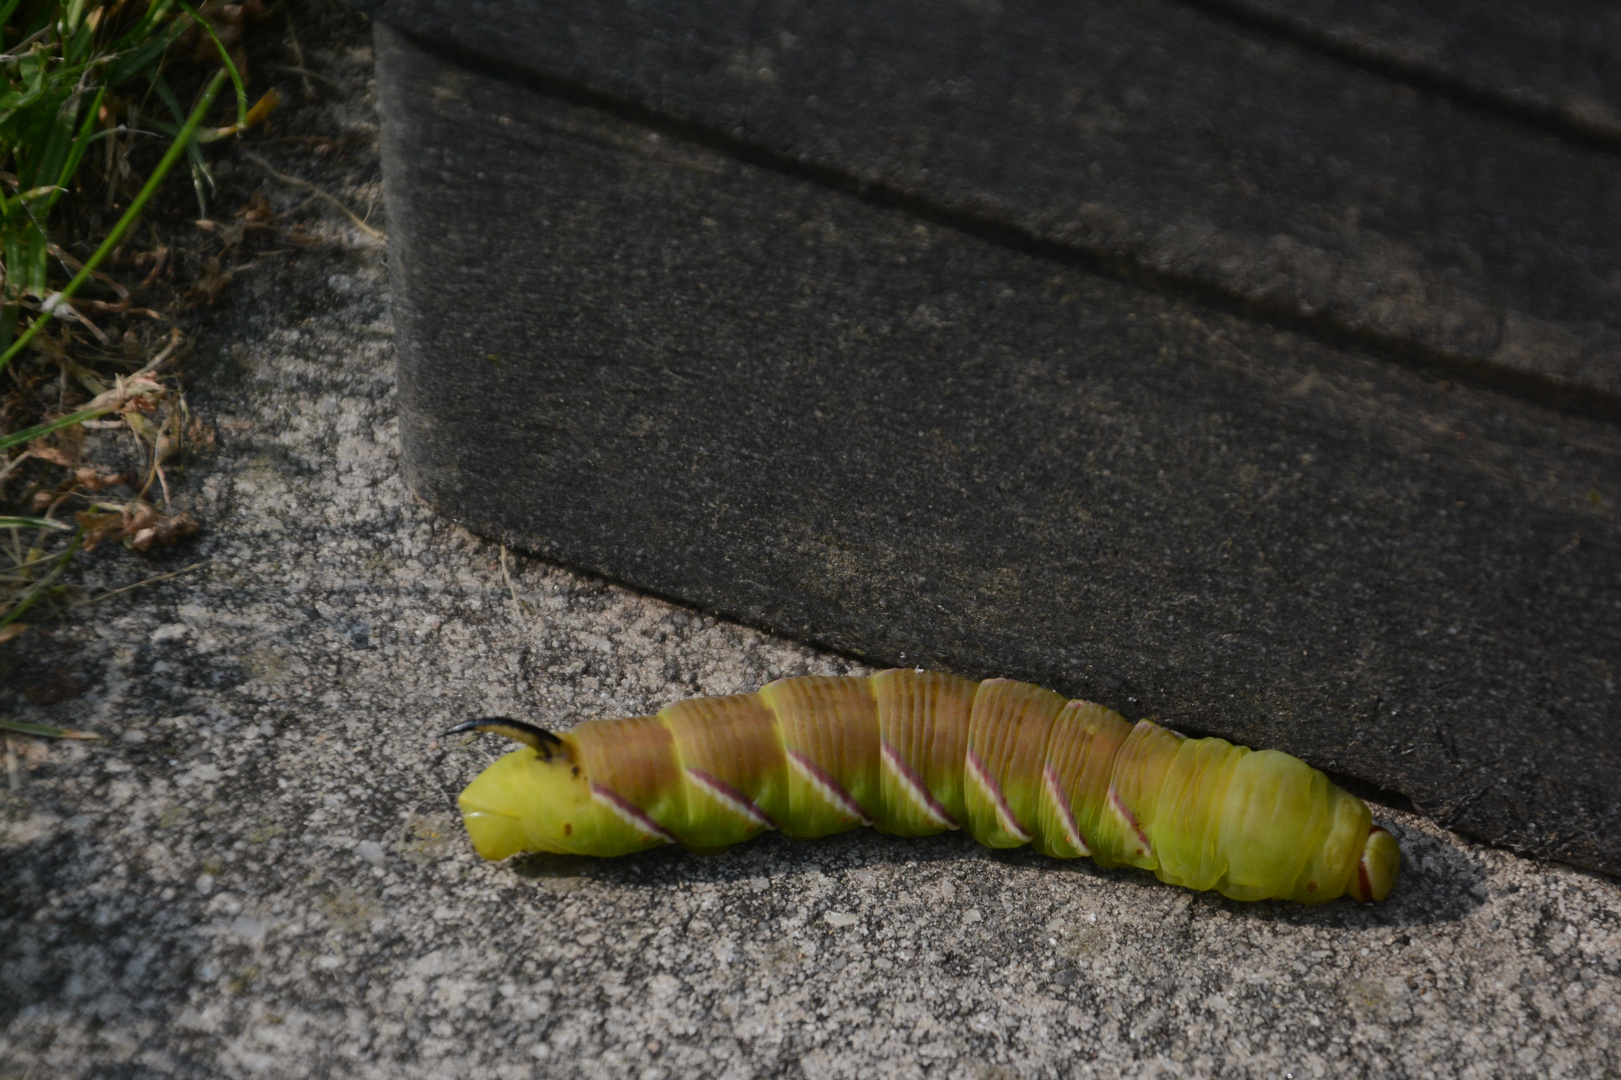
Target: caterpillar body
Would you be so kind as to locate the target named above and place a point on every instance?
(914, 752)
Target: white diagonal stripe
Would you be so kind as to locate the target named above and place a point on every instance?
(1004, 813)
(728, 797)
(914, 789)
(630, 814)
(825, 786)
(1066, 817)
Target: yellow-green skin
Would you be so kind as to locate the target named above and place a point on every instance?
(915, 752)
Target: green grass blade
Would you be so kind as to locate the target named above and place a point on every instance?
(202, 180)
(166, 95)
(81, 143)
(13, 253)
(17, 438)
(43, 585)
(225, 58)
(155, 14)
(73, 19)
(33, 262)
(22, 727)
(53, 153)
(32, 523)
(148, 190)
(79, 45)
(141, 57)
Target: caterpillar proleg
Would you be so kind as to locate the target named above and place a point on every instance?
(914, 752)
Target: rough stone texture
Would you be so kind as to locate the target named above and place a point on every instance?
(259, 873)
(1556, 60)
(782, 403)
(1164, 140)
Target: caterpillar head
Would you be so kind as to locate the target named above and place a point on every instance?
(524, 801)
(539, 798)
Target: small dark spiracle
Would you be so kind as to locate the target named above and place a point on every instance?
(914, 752)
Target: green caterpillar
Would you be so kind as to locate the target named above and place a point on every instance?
(915, 752)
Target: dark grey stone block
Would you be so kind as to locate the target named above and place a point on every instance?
(1554, 62)
(1165, 141)
(733, 385)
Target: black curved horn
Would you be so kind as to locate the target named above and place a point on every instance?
(540, 740)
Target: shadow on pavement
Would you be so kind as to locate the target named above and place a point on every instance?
(1439, 883)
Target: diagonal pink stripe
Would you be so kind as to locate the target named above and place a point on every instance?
(914, 787)
(830, 787)
(728, 794)
(1065, 813)
(1131, 819)
(631, 812)
(1003, 810)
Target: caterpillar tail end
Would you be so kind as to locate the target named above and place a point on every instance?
(1377, 868)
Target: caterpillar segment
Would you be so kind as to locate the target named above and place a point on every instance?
(912, 753)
